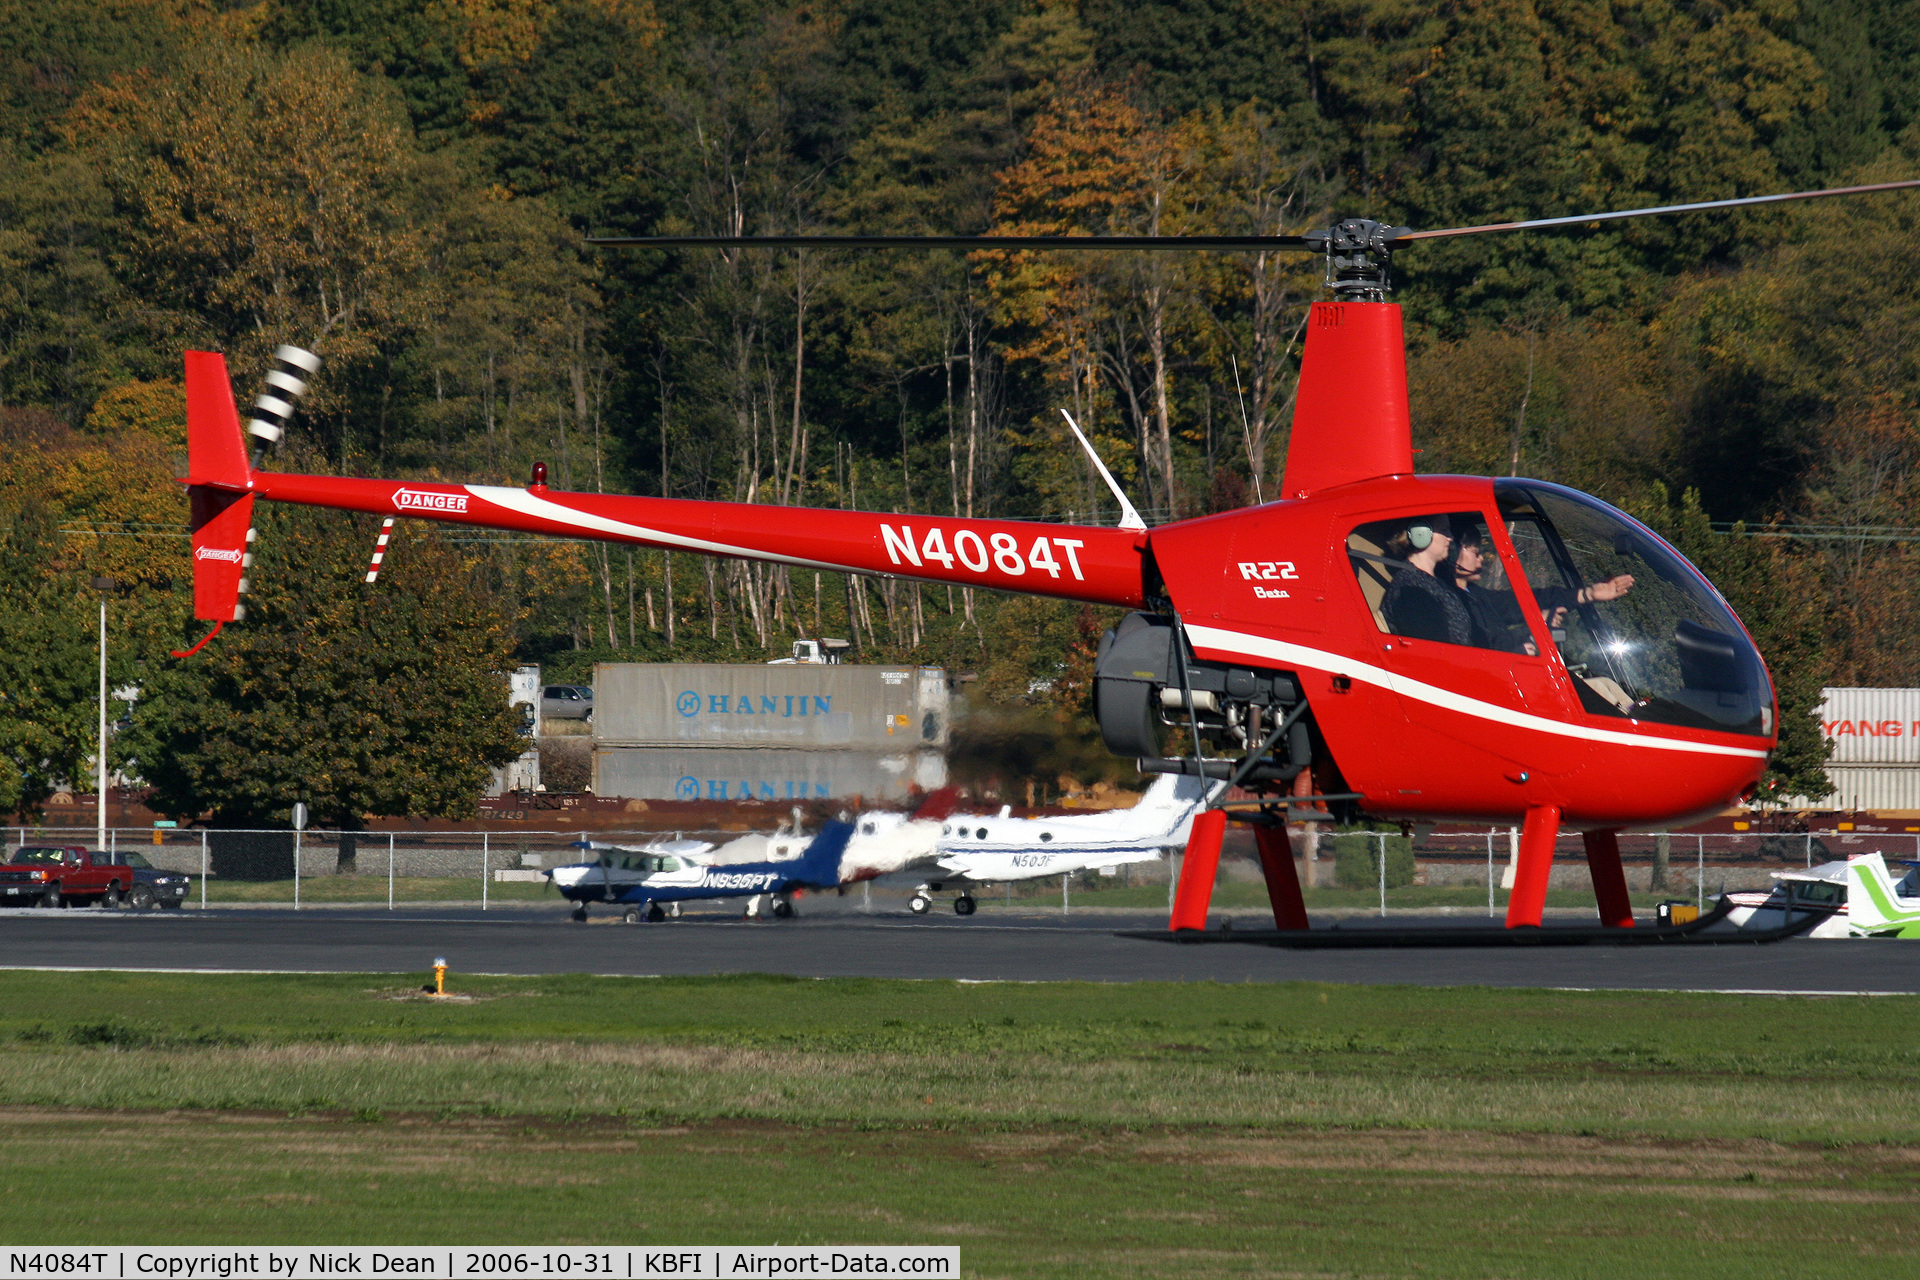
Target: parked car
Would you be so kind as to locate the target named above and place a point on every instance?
(58, 874)
(153, 887)
(566, 702)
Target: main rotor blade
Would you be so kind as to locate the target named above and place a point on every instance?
(1127, 243)
(1648, 213)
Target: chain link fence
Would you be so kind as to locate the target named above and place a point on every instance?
(1380, 868)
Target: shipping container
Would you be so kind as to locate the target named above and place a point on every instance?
(1874, 737)
(878, 709)
(729, 773)
(1872, 726)
(1871, 787)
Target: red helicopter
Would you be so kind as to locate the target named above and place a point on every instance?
(1405, 647)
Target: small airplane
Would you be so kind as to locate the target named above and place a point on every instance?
(975, 850)
(1876, 906)
(1859, 891)
(646, 884)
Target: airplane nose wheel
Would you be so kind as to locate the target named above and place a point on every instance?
(579, 914)
(630, 916)
(919, 905)
(655, 914)
(963, 905)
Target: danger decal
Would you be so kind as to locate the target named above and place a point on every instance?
(421, 500)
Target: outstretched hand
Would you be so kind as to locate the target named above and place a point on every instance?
(1612, 589)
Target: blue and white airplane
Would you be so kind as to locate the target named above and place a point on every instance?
(646, 883)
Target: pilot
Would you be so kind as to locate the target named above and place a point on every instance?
(1418, 603)
(1555, 601)
(1495, 614)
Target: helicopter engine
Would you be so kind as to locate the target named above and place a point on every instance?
(1148, 679)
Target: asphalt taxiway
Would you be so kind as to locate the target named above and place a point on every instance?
(1003, 947)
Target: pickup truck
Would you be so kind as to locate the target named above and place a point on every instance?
(53, 875)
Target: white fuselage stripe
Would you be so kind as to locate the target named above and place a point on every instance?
(1294, 655)
(526, 504)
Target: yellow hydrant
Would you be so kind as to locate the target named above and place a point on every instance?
(439, 975)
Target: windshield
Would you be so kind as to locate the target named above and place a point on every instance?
(1642, 633)
(40, 857)
(136, 861)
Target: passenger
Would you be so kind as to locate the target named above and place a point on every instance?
(1417, 602)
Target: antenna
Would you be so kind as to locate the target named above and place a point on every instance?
(1246, 429)
(1129, 518)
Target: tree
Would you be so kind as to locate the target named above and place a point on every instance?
(73, 506)
(1096, 164)
(361, 701)
(262, 197)
(1583, 404)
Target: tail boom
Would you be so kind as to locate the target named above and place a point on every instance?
(1073, 562)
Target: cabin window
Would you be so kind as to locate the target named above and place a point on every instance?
(1438, 577)
(1641, 631)
(1045, 836)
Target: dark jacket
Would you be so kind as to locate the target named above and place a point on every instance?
(1421, 606)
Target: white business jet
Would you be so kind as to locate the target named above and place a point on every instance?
(975, 850)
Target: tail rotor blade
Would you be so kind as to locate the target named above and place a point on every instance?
(273, 408)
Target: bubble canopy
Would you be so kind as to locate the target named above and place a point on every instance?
(1662, 647)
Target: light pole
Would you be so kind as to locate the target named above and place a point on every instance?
(103, 586)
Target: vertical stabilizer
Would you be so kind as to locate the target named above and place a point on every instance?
(1350, 418)
(222, 534)
(218, 479)
(1870, 894)
(216, 451)
(819, 866)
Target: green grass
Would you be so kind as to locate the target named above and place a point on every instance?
(1048, 1129)
(858, 1051)
(1131, 1202)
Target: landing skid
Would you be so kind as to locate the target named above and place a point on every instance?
(1694, 933)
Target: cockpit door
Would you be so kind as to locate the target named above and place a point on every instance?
(1466, 661)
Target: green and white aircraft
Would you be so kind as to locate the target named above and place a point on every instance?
(1877, 907)
(1861, 893)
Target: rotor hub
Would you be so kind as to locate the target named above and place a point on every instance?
(1359, 255)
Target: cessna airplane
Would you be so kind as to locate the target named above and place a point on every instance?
(1860, 891)
(646, 884)
(976, 850)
